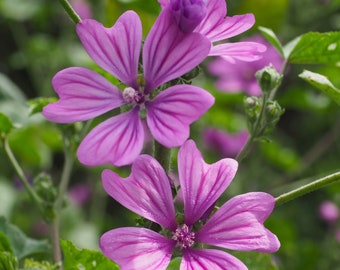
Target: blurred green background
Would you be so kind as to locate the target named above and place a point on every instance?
(38, 40)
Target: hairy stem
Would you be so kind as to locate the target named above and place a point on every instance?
(64, 182)
(34, 196)
(315, 185)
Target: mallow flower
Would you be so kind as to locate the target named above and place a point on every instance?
(236, 225)
(168, 53)
(209, 17)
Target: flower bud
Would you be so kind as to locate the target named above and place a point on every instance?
(188, 13)
(268, 78)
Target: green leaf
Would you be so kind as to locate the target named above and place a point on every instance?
(22, 245)
(4, 244)
(75, 259)
(321, 82)
(256, 261)
(6, 124)
(36, 105)
(8, 261)
(314, 48)
(272, 38)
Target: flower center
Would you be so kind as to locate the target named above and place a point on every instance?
(184, 237)
(132, 96)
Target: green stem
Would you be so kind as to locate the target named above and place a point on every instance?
(255, 133)
(64, 182)
(162, 155)
(317, 184)
(70, 11)
(34, 196)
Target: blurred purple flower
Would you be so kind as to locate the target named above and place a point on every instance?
(329, 211)
(168, 53)
(226, 144)
(240, 76)
(236, 225)
(80, 194)
(83, 8)
(208, 17)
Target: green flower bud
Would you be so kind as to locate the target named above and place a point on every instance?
(268, 78)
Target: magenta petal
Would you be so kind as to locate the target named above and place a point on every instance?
(244, 51)
(201, 183)
(84, 94)
(238, 224)
(169, 53)
(146, 191)
(137, 248)
(216, 26)
(163, 3)
(204, 259)
(173, 110)
(118, 140)
(115, 49)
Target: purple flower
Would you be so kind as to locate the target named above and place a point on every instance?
(167, 54)
(209, 17)
(237, 225)
(240, 76)
(228, 145)
(329, 211)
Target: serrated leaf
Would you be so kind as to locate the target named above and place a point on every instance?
(322, 83)
(75, 259)
(314, 48)
(6, 124)
(272, 38)
(22, 245)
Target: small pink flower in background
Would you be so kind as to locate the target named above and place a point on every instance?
(226, 144)
(236, 225)
(209, 17)
(240, 76)
(80, 194)
(83, 8)
(168, 53)
(329, 212)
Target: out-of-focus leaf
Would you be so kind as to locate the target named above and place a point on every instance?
(75, 259)
(21, 244)
(267, 13)
(6, 124)
(321, 82)
(18, 9)
(314, 48)
(30, 264)
(8, 261)
(4, 244)
(256, 260)
(272, 38)
(9, 90)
